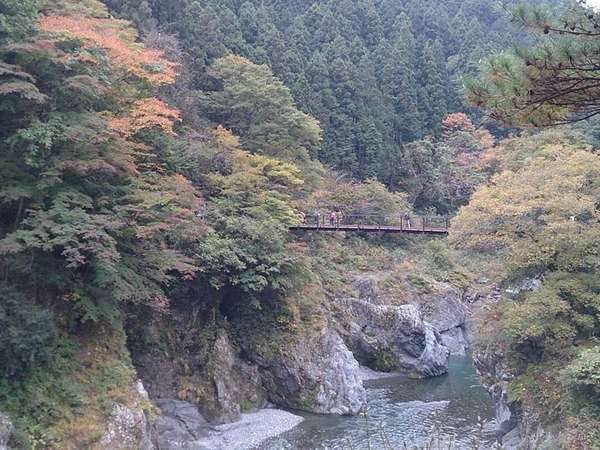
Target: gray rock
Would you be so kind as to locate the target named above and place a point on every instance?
(6, 430)
(225, 369)
(446, 308)
(180, 426)
(394, 332)
(456, 340)
(366, 286)
(126, 428)
(517, 428)
(447, 311)
(526, 285)
(227, 384)
(317, 374)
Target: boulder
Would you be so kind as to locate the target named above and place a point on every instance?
(316, 374)
(212, 376)
(6, 430)
(446, 311)
(445, 307)
(235, 383)
(180, 426)
(127, 428)
(386, 337)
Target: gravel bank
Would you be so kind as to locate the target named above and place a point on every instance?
(249, 432)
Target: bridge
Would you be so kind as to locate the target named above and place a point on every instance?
(374, 224)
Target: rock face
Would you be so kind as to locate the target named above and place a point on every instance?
(127, 428)
(496, 378)
(394, 338)
(6, 430)
(180, 425)
(234, 381)
(516, 429)
(443, 306)
(128, 425)
(221, 385)
(449, 315)
(317, 374)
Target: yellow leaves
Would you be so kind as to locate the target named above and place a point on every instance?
(254, 171)
(118, 39)
(146, 114)
(226, 138)
(538, 211)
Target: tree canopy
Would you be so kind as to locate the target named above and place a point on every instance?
(551, 83)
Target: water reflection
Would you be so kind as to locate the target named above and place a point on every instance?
(455, 409)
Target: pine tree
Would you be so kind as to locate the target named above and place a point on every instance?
(434, 87)
(399, 80)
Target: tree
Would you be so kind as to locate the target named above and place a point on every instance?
(434, 87)
(118, 39)
(399, 80)
(250, 200)
(259, 108)
(17, 19)
(552, 83)
(90, 215)
(526, 212)
(326, 53)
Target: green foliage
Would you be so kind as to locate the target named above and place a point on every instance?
(543, 214)
(47, 395)
(582, 378)
(249, 202)
(93, 217)
(259, 108)
(566, 308)
(17, 19)
(28, 336)
(538, 217)
(376, 74)
(550, 83)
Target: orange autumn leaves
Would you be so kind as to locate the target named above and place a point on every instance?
(118, 39)
(146, 114)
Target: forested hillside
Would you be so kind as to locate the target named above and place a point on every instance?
(535, 225)
(377, 74)
(135, 236)
(154, 153)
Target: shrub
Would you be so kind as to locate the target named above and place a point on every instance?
(28, 334)
(582, 378)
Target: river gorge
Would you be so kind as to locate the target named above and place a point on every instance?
(452, 410)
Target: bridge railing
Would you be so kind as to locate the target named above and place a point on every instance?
(403, 221)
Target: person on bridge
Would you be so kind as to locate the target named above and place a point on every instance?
(332, 218)
(317, 216)
(407, 220)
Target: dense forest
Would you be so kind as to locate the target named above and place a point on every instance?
(378, 75)
(153, 155)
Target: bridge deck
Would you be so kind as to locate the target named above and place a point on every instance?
(371, 228)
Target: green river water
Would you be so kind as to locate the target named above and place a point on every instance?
(454, 410)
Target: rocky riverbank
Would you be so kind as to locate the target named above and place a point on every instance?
(222, 383)
(180, 426)
(517, 427)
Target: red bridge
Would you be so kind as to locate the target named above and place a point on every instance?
(369, 223)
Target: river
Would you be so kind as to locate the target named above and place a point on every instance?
(454, 409)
